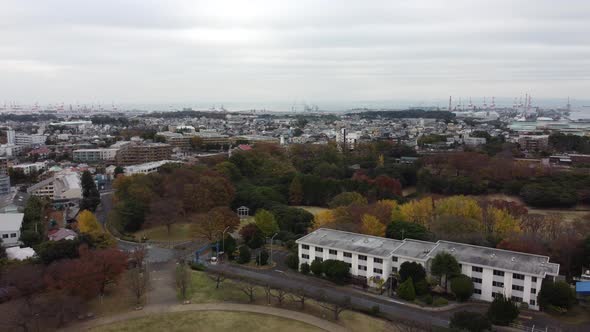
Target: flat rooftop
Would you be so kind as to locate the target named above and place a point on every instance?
(497, 258)
(365, 244)
(11, 222)
(414, 249)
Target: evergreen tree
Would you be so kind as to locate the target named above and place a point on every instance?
(502, 311)
(90, 194)
(406, 290)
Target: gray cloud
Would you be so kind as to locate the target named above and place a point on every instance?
(262, 51)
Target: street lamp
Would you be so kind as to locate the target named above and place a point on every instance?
(271, 239)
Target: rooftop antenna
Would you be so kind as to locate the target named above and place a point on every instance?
(568, 106)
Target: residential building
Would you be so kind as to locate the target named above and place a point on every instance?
(494, 271)
(62, 234)
(138, 153)
(23, 139)
(61, 186)
(30, 167)
(94, 155)
(177, 140)
(10, 225)
(533, 142)
(474, 141)
(4, 185)
(147, 168)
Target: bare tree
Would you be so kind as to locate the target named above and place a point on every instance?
(183, 279)
(218, 278)
(267, 291)
(280, 295)
(336, 307)
(299, 295)
(139, 283)
(249, 289)
(138, 255)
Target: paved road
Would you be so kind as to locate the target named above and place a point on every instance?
(155, 254)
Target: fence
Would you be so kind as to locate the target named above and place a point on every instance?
(528, 328)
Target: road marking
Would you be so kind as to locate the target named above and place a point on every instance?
(526, 317)
(279, 271)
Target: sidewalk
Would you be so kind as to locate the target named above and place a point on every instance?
(161, 309)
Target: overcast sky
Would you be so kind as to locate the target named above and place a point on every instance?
(283, 51)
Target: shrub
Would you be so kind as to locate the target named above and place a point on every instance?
(502, 311)
(245, 255)
(421, 287)
(470, 321)
(262, 257)
(304, 268)
(556, 294)
(197, 266)
(292, 261)
(336, 271)
(412, 270)
(439, 301)
(317, 268)
(406, 290)
(427, 299)
(462, 287)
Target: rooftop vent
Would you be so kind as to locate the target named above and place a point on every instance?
(493, 255)
(513, 259)
(452, 249)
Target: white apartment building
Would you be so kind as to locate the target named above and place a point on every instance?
(26, 139)
(147, 168)
(94, 155)
(10, 224)
(493, 271)
(30, 167)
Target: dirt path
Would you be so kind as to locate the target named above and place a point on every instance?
(162, 284)
(160, 309)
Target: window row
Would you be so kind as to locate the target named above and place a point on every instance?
(5, 236)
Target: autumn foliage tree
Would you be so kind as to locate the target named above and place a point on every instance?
(372, 226)
(88, 224)
(211, 224)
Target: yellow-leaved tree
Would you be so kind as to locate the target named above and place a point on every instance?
(459, 206)
(418, 211)
(372, 226)
(503, 223)
(88, 224)
(323, 218)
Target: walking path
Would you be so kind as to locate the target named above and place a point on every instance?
(161, 309)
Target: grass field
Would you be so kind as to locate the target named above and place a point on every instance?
(312, 209)
(210, 321)
(204, 291)
(178, 232)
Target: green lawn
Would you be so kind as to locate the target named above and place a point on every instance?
(203, 290)
(312, 209)
(178, 232)
(210, 321)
